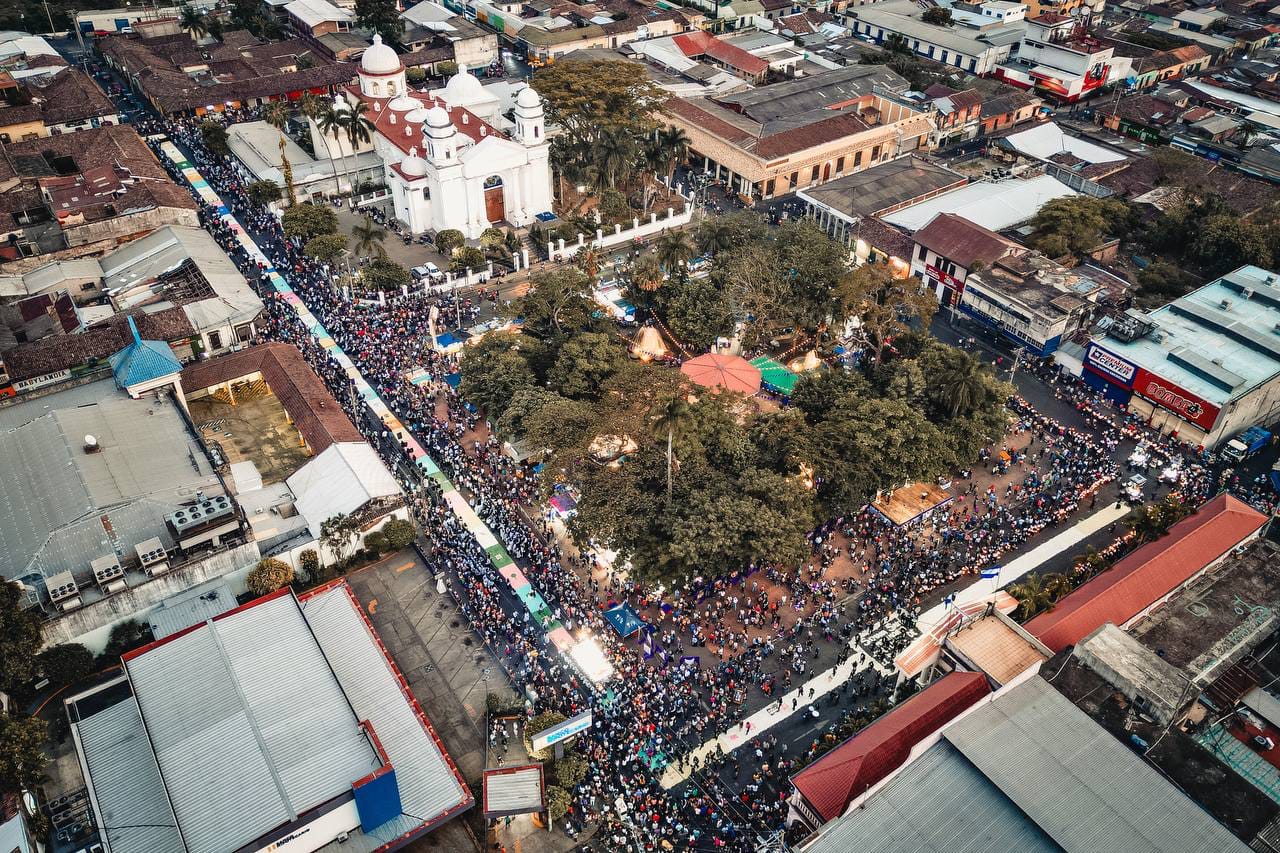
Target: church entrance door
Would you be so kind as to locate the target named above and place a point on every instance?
(494, 208)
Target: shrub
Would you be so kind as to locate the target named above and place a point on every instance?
(540, 723)
(269, 575)
(399, 533)
(558, 802)
(376, 542)
(310, 562)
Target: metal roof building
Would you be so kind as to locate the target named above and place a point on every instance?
(280, 722)
(65, 507)
(1026, 771)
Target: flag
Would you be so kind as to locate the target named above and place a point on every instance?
(949, 600)
(991, 573)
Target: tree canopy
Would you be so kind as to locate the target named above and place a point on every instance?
(20, 639)
(382, 17)
(1076, 225)
(269, 575)
(308, 221)
(591, 99)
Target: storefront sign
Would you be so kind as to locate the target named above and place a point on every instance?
(1110, 365)
(568, 728)
(1181, 402)
(948, 280)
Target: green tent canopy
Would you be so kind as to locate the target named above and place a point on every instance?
(775, 376)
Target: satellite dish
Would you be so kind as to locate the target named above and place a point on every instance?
(90, 441)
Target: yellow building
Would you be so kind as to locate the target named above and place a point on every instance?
(775, 139)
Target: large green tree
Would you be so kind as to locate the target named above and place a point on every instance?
(308, 221)
(591, 99)
(493, 371)
(585, 363)
(22, 759)
(382, 17)
(1076, 225)
(20, 639)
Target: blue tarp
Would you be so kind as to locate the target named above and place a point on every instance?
(452, 379)
(624, 620)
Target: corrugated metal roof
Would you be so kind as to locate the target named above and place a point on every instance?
(248, 725)
(849, 770)
(938, 802)
(338, 481)
(56, 494)
(196, 605)
(1148, 574)
(515, 790)
(429, 786)
(126, 782)
(1078, 782)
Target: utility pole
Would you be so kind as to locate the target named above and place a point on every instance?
(1017, 360)
(50, 16)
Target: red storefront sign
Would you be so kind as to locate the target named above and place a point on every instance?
(948, 280)
(1169, 396)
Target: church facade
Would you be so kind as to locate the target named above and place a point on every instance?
(446, 161)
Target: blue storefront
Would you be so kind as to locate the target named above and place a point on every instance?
(1108, 373)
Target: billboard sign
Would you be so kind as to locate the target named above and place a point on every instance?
(947, 280)
(1110, 365)
(567, 729)
(1176, 399)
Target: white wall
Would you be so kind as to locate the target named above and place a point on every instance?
(602, 239)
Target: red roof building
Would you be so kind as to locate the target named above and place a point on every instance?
(1147, 577)
(824, 789)
(699, 43)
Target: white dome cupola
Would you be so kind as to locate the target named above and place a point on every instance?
(413, 166)
(381, 73)
(463, 89)
(530, 124)
(441, 137)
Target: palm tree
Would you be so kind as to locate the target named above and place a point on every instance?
(675, 249)
(962, 386)
(646, 273)
(369, 237)
(1032, 596)
(675, 145)
(1057, 586)
(330, 123)
(193, 23)
(614, 155)
(358, 129)
(715, 235)
(672, 418)
(588, 260)
(276, 114)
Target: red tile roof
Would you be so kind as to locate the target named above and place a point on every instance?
(702, 43)
(304, 396)
(392, 125)
(846, 772)
(963, 242)
(1149, 574)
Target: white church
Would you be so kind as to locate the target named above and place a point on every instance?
(445, 160)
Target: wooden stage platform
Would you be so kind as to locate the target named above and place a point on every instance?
(911, 502)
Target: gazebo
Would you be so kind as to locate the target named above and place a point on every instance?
(731, 372)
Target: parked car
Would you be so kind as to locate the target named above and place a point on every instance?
(427, 270)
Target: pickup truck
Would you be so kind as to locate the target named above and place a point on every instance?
(1247, 444)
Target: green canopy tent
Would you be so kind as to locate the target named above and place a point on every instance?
(775, 376)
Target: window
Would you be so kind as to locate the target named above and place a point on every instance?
(813, 176)
(839, 165)
(768, 187)
(857, 159)
(973, 64)
(215, 340)
(537, 131)
(944, 57)
(426, 193)
(930, 51)
(391, 89)
(875, 152)
(795, 179)
(924, 253)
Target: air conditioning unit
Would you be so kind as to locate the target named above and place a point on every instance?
(343, 837)
(108, 574)
(64, 592)
(152, 556)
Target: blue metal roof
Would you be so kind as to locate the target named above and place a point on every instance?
(142, 361)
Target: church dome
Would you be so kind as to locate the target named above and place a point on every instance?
(420, 114)
(463, 88)
(404, 104)
(413, 165)
(437, 117)
(528, 98)
(379, 58)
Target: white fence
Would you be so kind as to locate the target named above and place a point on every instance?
(559, 250)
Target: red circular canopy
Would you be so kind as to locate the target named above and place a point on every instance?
(726, 371)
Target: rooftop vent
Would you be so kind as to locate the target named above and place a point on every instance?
(1225, 305)
(201, 513)
(91, 444)
(150, 551)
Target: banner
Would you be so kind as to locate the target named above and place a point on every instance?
(1176, 399)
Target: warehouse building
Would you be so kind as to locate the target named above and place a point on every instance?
(282, 725)
(1204, 367)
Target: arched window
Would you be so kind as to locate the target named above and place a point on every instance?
(492, 181)
(377, 89)
(391, 89)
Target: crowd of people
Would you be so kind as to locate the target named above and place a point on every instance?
(762, 629)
